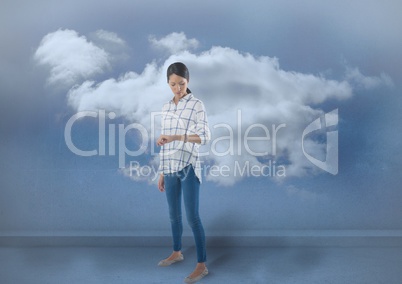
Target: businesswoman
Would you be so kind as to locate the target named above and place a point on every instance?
(184, 129)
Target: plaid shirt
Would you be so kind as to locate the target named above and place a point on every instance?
(187, 117)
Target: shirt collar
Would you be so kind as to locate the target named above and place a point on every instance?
(185, 98)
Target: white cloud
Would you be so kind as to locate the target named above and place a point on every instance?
(132, 95)
(239, 91)
(110, 37)
(115, 46)
(367, 82)
(174, 43)
(70, 57)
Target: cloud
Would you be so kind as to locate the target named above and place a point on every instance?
(132, 95)
(174, 43)
(109, 37)
(70, 57)
(367, 82)
(246, 97)
(115, 46)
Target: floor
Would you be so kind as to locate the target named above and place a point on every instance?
(226, 264)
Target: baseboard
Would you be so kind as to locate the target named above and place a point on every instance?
(318, 239)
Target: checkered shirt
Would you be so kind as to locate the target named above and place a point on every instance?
(187, 117)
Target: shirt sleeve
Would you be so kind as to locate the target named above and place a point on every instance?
(161, 158)
(201, 127)
(160, 168)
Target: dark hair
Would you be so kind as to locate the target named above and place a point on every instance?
(179, 69)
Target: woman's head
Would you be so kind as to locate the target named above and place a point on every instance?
(178, 77)
(179, 69)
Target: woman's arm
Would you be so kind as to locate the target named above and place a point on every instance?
(163, 139)
(200, 130)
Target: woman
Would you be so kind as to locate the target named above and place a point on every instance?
(184, 129)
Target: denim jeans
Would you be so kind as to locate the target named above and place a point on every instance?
(186, 182)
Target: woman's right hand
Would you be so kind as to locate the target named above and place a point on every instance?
(163, 139)
(161, 183)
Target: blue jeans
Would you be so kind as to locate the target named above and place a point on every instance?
(187, 182)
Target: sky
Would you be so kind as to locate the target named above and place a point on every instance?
(303, 102)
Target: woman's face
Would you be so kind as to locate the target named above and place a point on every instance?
(178, 85)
